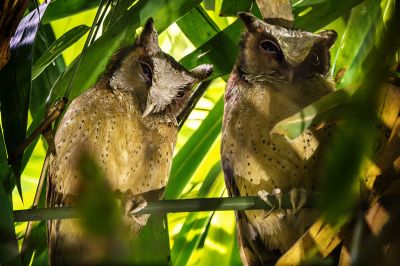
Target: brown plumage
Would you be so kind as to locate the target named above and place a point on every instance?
(278, 72)
(127, 123)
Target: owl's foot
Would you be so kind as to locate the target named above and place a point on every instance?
(277, 193)
(135, 204)
(298, 198)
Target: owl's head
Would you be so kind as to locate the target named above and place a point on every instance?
(275, 53)
(159, 82)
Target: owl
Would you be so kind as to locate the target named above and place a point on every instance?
(278, 72)
(127, 123)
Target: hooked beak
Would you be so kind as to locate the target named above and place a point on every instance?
(290, 74)
(148, 110)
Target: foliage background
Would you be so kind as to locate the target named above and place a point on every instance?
(193, 32)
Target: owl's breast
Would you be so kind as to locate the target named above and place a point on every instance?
(261, 160)
(134, 157)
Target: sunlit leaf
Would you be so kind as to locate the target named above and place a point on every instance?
(189, 26)
(57, 48)
(220, 245)
(63, 8)
(313, 16)
(194, 227)
(295, 125)
(324, 235)
(190, 156)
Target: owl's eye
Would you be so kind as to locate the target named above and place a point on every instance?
(180, 94)
(270, 47)
(313, 58)
(146, 70)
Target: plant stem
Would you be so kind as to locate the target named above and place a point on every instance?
(172, 206)
(194, 99)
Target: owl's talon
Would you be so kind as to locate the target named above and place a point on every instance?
(264, 196)
(140, 219)
(277, 193)
(298, 198)
(135, 204)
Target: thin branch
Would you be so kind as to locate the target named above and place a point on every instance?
(172, 206)
(88, 38)
(52, 114)
(26, 242)
(194, 99)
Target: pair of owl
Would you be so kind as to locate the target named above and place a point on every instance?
(127, 123)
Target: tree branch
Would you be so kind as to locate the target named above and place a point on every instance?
(172, 206)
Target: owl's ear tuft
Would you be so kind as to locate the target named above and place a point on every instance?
(329, 36)
(148, 38)
(249, 20)
(201, 72)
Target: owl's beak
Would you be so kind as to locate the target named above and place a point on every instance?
(148, 110)
(290, 74)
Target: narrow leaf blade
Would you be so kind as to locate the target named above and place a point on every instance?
(60, 45)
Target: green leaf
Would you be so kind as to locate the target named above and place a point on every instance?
(358, 44)
(64, 8)
(152, 244)
(41, 86)
(120, 34)
(353, 37)
(8, 246)
(232, 7)
(355, 142)
(189, 25)
(313, 16)
(118, 10)
(220, 51)
(209, 4)
(57, 48)
(192, 153)
(220, 245)
(17, 75)
(36, 246)
(294, 126)
(9, 254)
(194, 227)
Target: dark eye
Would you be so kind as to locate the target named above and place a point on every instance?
(270, 47)
(313, 58)
(180, 94)
(146, 70)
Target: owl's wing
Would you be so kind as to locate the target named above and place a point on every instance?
(252, 249)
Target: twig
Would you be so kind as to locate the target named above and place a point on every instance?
(25, 243)
(171, 206)
(52, 114)
(194, 98)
